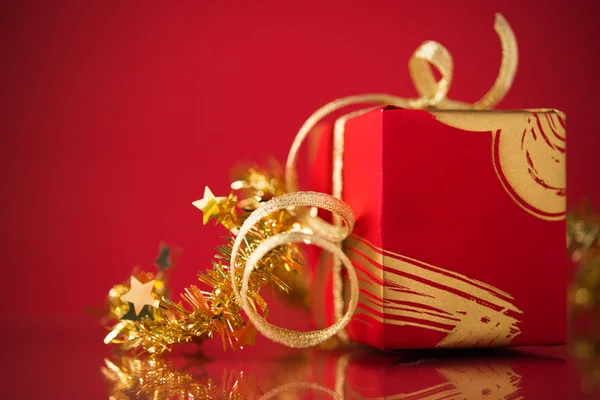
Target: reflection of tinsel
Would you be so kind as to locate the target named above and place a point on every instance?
(154, 378)
(583, 241)
(206, 313)
(159, 379)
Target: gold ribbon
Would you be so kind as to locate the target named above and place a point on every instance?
(325, 239)
(432, 94)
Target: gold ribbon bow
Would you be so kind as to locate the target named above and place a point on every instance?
(330, 236)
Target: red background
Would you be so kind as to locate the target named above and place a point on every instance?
(116, 114)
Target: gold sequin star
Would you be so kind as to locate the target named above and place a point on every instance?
(209, 204)
(140, 295)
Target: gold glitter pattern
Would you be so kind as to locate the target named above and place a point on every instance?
(471, 313)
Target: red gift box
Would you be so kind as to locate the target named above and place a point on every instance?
(460, 226)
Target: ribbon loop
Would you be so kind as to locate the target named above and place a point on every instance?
(429, 54)
(327, 240)
(508, 66)
(285, 336)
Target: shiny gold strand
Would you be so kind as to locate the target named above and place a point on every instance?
(204, 314)
(583, 241)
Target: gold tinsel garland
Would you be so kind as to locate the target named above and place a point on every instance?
(146, 319)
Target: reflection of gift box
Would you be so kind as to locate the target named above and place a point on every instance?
(460, 233)
(516, 376)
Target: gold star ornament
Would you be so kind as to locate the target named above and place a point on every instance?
(209, 204)
(140, 295)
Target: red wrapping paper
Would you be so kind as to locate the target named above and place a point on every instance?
(460, 232)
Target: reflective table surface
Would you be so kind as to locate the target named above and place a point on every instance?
(64, 359)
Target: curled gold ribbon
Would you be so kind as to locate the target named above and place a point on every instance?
(432, 94)
(326, 240)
